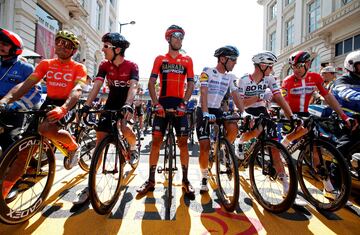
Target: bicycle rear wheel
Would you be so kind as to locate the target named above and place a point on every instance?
(33, 182)
(269, 189)
(105, 175)
(87, 143)
(334, 168)
(227, 175)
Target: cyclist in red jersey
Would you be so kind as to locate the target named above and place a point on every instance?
(298, 88)
(122, 77)
(174, 68)
(64, 81)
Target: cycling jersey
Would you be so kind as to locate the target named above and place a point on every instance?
(118, 79)
(297, 92)
(61, 77)
(249, 88)
(346, 90)
(13, 72)
(218, 85)
(173, 72)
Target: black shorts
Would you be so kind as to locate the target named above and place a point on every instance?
(272, 130)
(203, 131)
(105, 123)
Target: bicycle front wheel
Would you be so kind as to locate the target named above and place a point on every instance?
(105, 175)
(87, 143)
(32, 181)
(227, 175)
(273, 192)
(332, 171)
(169, 155)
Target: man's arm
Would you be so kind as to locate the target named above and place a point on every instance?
(152, 91)
(94, 92)
(189, 90)
(238, 101)
(73, 98)
(204, 98)
(279, 99)
(131, 92)
(19, 90)
(334, 104)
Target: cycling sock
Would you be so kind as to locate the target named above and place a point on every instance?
(185, 173)
(132, 147)
(328, 185)
(204, 173)
(152, 171)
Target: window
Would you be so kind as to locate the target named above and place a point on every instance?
(272, 41)
(339, 48)
(357, 42)
(287, 2)
(314, 15)
(98, 15)
(273, 11)
(348, 45)
(315, 65)
(289, 34)
(344, 2)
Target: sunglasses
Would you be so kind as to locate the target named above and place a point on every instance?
(108, 46)
(178, 35)
(64, 43)
(298, 66)
(232, 58)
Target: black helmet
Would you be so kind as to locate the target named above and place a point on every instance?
(227, 51)
(116, 39)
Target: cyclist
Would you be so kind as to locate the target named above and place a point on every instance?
(329, 75)
(298, 89)
(64, 81)
(139, 109)
(174, 68)
(122, 77)
(13, 71)
(214, 84)
(346, 90)
(254, 89)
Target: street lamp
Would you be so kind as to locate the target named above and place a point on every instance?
(131, 22)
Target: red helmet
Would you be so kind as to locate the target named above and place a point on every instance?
(172, 29)
(12, 38)
(299, 57)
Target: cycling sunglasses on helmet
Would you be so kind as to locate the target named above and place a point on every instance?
(178, 35)
(64, 43)
(108, 46)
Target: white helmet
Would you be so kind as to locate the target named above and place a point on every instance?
(265, 57)
(351, 59)
(328, 69)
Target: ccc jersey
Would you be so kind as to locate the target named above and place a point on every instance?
(297, 92)
(173, 72)
(118, 79)
(61, 77)
(218, 85)
(249, 88)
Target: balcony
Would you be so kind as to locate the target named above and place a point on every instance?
(347, 10)
(76, 8)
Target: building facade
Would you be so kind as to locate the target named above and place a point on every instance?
(37, 21)
(328, 29)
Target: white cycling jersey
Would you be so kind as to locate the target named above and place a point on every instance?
(249, 88)
(218, 84)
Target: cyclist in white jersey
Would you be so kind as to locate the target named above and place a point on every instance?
(215, 83)
(252, 89)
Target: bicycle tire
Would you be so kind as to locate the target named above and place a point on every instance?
(228, 193)
(263, 177)
(170, 143)
(104, 202)
(335, 167)
(87, 141)
(27, 202)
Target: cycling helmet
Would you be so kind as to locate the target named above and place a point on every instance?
(14, 39)
(172, 29)
(299, 57)
(328, 69)
(265, 57)
(116, 39)
(351, 59)
(69, 36)
(227, 51)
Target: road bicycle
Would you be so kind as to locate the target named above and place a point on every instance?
(260, 155)
(107, 167)
(190, 114)
(30, 162)
(223, 155)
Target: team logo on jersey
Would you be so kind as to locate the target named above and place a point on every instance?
(283, 92)
(204, 77)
